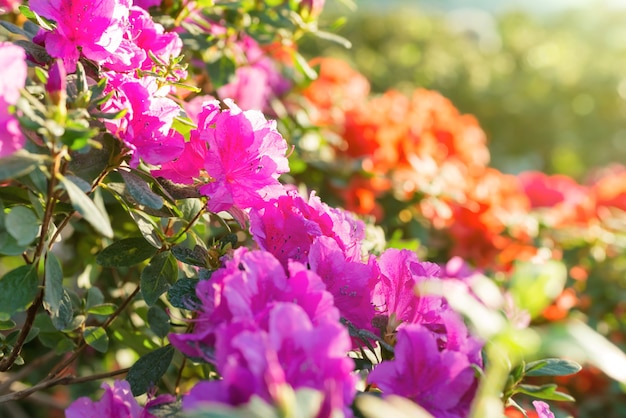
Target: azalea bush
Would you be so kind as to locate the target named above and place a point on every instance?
(199, 221)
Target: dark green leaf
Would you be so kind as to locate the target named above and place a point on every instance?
(196, 257)
(86, 207)
(22, 224)
(158, 321)
(140, 190)
(18, 164)
(125, 252)
(157, 277)
(552, 367)
(147, 371)
(183, 294)
(97, 338)
(104, 309)
(18, 288)
(548, 392)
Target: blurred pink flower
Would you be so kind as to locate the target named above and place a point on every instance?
(12, 79)
(116, 402)
(436, 379)
(543, 409)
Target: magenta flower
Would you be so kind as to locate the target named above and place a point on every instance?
(438, 380)
(287, 226)
(96, 27)
(284, 347)
(12, 79)
(543, 409)
(394, 294)
(244, 288)
(350, 282)
(146, 127)
(245, 157)
(116, 402)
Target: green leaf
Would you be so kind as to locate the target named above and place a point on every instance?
(221, 70)
(157, 277)
(56, 300)
(140, 190)
(22, 224)
(97, 338)
(547, 391)
(183, 294)
(86, 207)
(552, 367)
(7, 325)
(535, 285)
(147, 371)
(63, 319)
(158, 321)
(94, 297)
(125, 252)
(103, 309)
(147, 228)
(196, 257)
(19, 164)
(18, 288)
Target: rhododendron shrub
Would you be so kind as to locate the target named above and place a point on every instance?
(153, 234)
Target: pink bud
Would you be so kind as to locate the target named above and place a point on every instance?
(56, 83)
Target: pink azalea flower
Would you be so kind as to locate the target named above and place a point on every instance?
(9, 6)
(394, 293)
(146, 127)
(12, 79)
(96, 27)
(243, 288)
(146, 4)
(287, 226)
(245, 157)
(116, 402)
(436, 379)
(284, 347)
(350, 282)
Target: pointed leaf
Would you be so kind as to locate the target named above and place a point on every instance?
(140, 190)
(103, 309)
(87, 208)
(548, 392)
(157, 277)
(147, 371)
(56, 300)
(552, 367)
(125, 253)
(158, 321)
(18, 288)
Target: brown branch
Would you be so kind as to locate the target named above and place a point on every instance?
(61, 366)
(26, 370)
(65, 380)
(7, 362)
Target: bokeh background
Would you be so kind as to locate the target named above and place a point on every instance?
(545, 79)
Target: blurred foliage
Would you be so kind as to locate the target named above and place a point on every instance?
(549, 91)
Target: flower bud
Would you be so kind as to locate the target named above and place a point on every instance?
(56, 84)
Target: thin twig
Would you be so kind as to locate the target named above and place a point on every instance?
(65, 380)
(26, 370)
